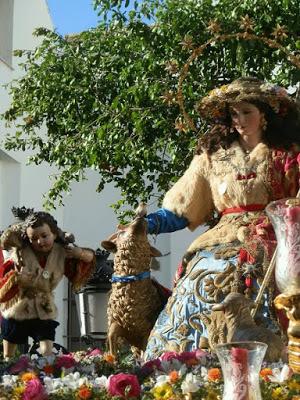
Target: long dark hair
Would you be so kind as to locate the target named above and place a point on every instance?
(282, 131)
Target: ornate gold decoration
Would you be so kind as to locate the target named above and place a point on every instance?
(293, 202)
(291, 304)
(168, 97)
(187, 43)
(214, 27)
(181, 125)
(172, 67)
(280, 32)
(246, 23)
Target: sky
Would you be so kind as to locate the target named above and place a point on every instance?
(72, 16)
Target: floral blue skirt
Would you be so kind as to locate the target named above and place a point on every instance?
(179, 326)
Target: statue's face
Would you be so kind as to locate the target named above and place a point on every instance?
(246, 119)
(41, 238)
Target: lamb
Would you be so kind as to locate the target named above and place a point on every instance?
(135, 301)
(216, 328)
(241, 326)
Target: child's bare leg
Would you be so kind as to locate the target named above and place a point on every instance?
(46, 347)
(9, 349)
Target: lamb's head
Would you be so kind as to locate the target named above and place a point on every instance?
(130, 236)
(12, 237)
(235, 305)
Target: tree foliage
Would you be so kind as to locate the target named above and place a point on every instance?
(107, 98)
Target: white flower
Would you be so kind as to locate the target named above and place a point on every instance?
(83, 381)
(280, 376)
(204, 373)
(53, 384)
(161, 379)
(173, 365)
(49, 384)
(72, 380)
(191, 383)
(101, 381)
(9, 380)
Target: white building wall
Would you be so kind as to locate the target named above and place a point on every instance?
(6, 29)
(86, 213)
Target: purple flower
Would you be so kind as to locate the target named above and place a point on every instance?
(20, 366)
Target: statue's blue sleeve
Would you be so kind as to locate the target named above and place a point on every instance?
(163, 221)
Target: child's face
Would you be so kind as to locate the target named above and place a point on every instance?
(41, 238)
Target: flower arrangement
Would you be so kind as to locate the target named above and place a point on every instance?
(95, 375)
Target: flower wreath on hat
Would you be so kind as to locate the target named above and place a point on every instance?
(214, 106)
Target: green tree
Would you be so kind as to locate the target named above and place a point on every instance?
(108, 96)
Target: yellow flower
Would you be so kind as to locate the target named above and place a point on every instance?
(279, 394)
(211, 395)
(294, 385)
(18, 392)
(162, 392)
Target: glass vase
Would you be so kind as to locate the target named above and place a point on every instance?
(285, 217)
(241, 365)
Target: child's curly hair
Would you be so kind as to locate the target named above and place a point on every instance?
(39, 218)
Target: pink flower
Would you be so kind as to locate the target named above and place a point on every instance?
(65, 361)
(34, 391)
(201, 354)
(95, 352)
(169, 356)
(124, 385)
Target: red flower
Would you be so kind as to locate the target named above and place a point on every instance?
(265, 373)
(84, 393)
(124, 385)
(48, 369)
(65, 361)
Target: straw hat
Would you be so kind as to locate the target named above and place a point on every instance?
(214, 106)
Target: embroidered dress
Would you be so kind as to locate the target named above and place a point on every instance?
(235, 253)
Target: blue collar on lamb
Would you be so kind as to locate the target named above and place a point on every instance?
(130, 278)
